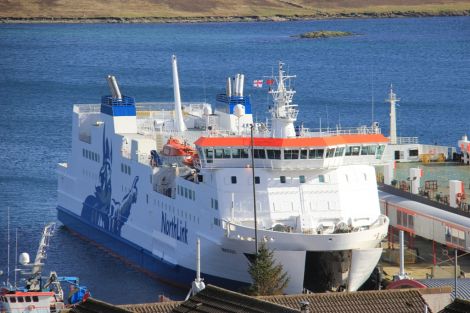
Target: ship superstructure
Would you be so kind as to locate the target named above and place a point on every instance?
(147, 180)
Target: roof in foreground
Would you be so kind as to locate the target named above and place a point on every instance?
(463, 286)
(384, 301)
(458, 306)
(218, 300)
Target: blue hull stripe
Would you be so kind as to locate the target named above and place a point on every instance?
(175, 275)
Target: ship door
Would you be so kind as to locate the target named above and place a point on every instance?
(397, 155)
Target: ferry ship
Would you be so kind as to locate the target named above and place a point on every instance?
(147, 180)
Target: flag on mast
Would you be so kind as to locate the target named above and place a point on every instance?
(258, 83)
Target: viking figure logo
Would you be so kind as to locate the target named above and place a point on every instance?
(103, 210)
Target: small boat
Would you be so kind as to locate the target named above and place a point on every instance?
(40, 294)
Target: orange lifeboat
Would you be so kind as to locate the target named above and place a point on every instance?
(175, 148)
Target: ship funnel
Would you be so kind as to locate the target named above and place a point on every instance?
(179, 122)
(240, 85)
(113, 86)
(237, 84)
(228, 88)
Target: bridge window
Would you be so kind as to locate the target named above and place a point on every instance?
(209, 155)
(35, 299)
(339, 152)
(20, 299)
(227, 153)
(352, 150)
(330, 153)
(259, 154)
(304, 154)
(316, 153)
(379, 152)
(13, 299)
(291, 154)
(28, 299)
(368, 150)
(244, 153)
(219, 153)
(236, 153)
(274, 154)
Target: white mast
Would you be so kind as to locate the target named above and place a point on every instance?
(198, 283)
(283, 113)
(392, 99)
(179, 121)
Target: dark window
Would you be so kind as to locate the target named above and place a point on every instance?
(257, 180)
(35, 299)
(20, 299)
(209, 155)
(352, 150)
(227, 153)
(219, 153)
(304, 154)
(28, 299)
(414, 153)
(330, 152)
(200, 178)
(236, 153)
(283, 179)
(274, 154)
(259, 154)
(339, 152)
(244, 153)
(13, 299)
(291, 154)
(302, 179)
(321, 178)
(316, 154)
(234, 179)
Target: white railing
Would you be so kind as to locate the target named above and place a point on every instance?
(407, 140)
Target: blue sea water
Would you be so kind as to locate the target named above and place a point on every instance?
(45, 69)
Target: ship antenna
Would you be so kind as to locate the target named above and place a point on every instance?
(16, 254)
(8, 247)
(372, 96)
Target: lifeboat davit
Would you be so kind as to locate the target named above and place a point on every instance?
(175, 148)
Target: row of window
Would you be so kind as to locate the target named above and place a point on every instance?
(405, 219)
(91, 155)
(126, 169)
(20, 299)
(455, 236)
(187, 193)
(293, 154)
(234, 180)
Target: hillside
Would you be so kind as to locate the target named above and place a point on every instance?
(207, 10)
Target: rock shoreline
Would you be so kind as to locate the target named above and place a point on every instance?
(222, 19)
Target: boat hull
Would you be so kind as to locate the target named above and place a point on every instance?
(175, 275)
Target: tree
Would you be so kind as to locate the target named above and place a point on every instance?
(268, 278)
